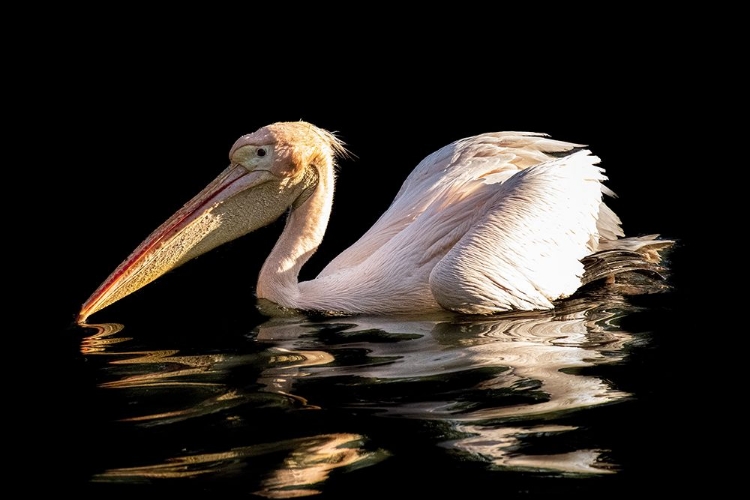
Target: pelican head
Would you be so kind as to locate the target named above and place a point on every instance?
(271, 170)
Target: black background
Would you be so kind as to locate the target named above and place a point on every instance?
(120, 132)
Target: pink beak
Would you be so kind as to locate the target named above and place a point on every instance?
(205, 222)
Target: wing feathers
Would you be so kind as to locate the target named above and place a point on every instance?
(487, 224)
(526, 251)
(448, 174)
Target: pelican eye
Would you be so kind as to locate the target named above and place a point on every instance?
(261, 152)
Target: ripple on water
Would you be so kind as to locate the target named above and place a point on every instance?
(300, 399)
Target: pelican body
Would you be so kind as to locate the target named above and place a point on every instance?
(491, 223)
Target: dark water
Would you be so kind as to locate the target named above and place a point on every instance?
(571, 402)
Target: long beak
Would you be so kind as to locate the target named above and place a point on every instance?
(236, 202)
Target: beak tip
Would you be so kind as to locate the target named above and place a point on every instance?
(81, 318)
(84, 313)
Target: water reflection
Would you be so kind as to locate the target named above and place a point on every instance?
(300, 399)
(307, 463)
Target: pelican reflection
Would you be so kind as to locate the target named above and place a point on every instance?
(488, 383)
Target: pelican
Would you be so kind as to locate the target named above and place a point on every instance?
(496, 222)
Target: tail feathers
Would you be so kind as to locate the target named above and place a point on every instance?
(637, 261)
(649, 247)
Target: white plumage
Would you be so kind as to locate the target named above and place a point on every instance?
(490, 223)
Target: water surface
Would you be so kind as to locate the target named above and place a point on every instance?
(298, 406)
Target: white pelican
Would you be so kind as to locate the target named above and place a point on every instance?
(490, 223)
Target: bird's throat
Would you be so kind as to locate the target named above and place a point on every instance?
(303, 232)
